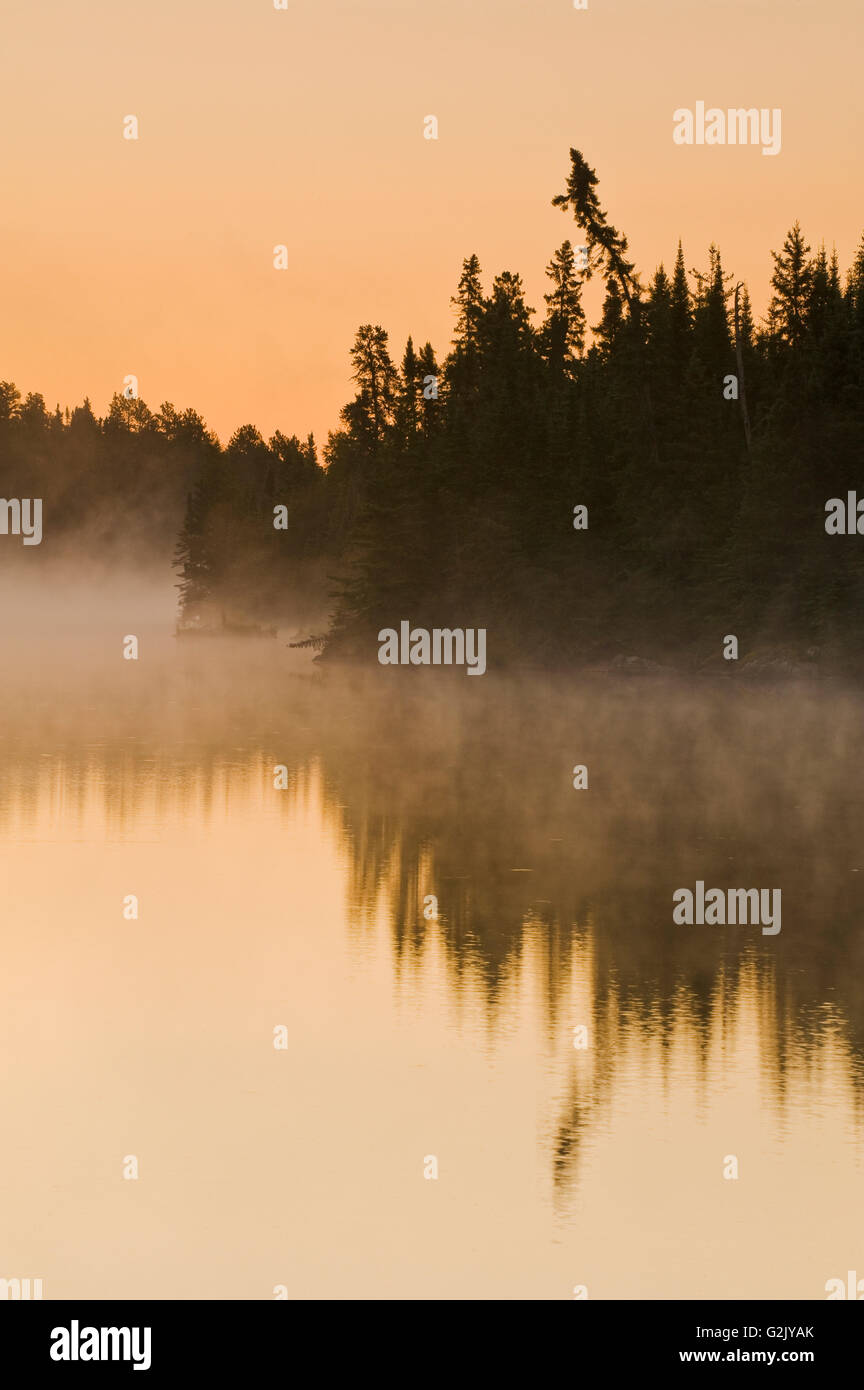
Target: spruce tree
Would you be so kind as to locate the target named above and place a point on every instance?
(792, 283)
(563, 333)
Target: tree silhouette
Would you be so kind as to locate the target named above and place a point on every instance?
(564, 329)
(792, 283)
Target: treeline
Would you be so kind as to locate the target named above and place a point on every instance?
(705, 497)
(447, 496)
(122, 489)
(113, 489)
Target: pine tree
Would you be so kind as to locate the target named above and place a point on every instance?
(194, 555)
(608, 330)
(712, 341)
(855, 289)
(681, 312)
(10, 398)
(468, 301)
(407, 392)
(370, 414)
(607, 248)
(563, 333)
(792, 283)
(431, 400)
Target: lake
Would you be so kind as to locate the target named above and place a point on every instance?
(333, 1085)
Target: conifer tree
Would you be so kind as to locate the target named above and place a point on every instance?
(468, 302)
(792, 283)
(607, 248)
(370, 414)
(407, 395)
(680, 314)
(429, 381)
(563, 333)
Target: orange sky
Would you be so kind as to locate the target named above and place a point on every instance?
(305, 127)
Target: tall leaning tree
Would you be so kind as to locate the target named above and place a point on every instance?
(607, 253)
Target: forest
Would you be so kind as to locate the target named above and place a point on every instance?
(628, 491)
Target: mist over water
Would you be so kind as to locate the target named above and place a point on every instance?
(410, 1037)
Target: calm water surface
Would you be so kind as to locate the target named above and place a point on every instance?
(407, 1037)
